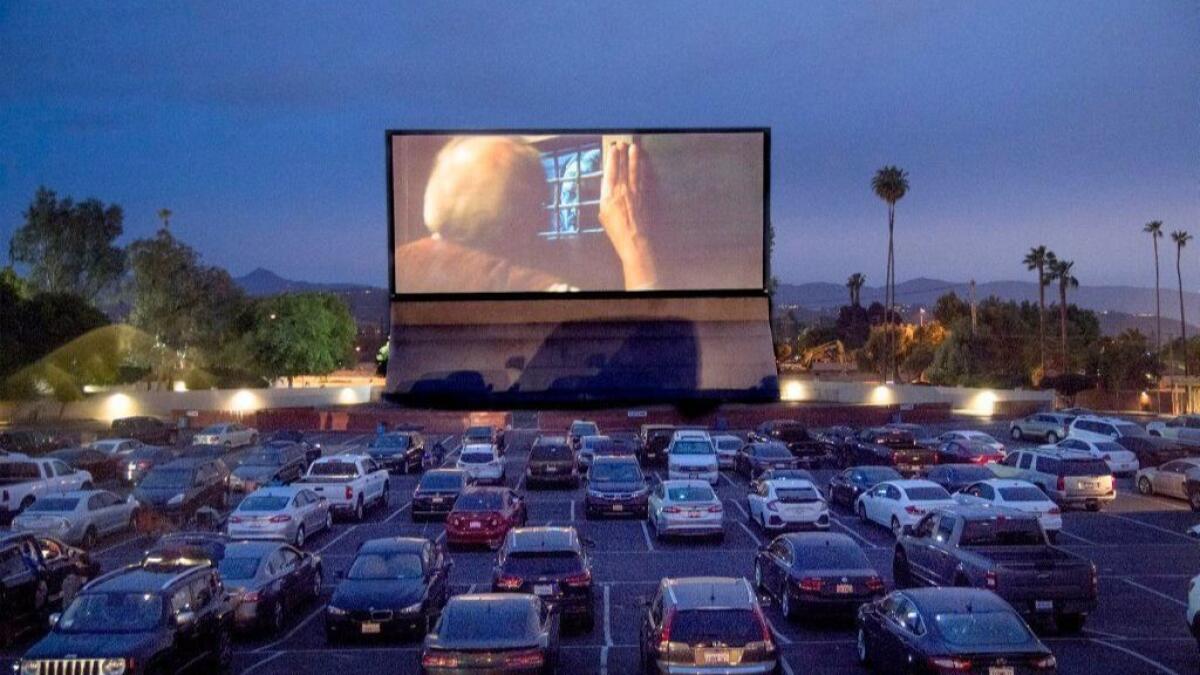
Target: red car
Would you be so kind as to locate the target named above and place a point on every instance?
(484, 515)
(968, 452)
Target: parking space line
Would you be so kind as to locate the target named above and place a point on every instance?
(1089, 542)
(852, 533)
(572, 510)
(262, 662)
(1151, 591)
(1164, 530)
(646, 535)
(397, 512)
(787, 667)
(1169, 504)
(120, 544)
(1144, 659)
(338, 538)
(295, 629)
(783, 639)
(728, 480)
(607, 618)
(739, 508)
(750, 532)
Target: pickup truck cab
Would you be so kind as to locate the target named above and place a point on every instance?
(350, 483)
(24, 481)
(1004, 551)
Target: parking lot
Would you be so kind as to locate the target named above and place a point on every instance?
(1138, 543)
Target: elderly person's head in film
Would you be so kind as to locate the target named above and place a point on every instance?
(486, 192)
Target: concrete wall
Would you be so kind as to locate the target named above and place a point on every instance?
(969, 400)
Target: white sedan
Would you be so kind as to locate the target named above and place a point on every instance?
(1120, 461)
(685, 507)
(482, 462)
(230, 434)
(117, 446)
(976, 436)
(1016, 494)
(285, 513)
(79, 518)
(899, 504)
(788, 503)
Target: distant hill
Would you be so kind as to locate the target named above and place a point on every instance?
(368, 304)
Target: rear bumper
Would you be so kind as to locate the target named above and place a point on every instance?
(273, 534)
(616, 507)
(710, 474)
(426, 507)
(689, 527)
(832, 605)
(741, 669)
(1027, 607)
(475, 537)
(557, 478)
(352, 625)
(782, 522)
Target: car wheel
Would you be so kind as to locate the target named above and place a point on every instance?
(864, 655)
(386, 497)
(300, 537)
(758, 580)
(785, 606)
(87, 485)
(1016, 433)
(1145, 486)
(89, 538)
(897, 529)
(862, 512)
(1070, 623)
(1092, 506)
(276, 626)
(1051, 437)
(223, 501)
(315, 592)
(1194, 500)
(328, 520)
(359, 512)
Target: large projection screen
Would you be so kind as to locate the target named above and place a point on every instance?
(596, 213)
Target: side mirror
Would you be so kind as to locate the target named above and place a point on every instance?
(588, 542)
(53, 621)
(185, 619)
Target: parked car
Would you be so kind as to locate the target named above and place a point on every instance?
(846, 485)
(39, 575)
(685, 507)
(159, 620)
(78, 518)
(809, 450)
(484, 515)
(267, 581)
(579, 429)
(1193, 607)
(899, 504)
(655, 439)
(1121, 462)
(948, 630)
(483, 463)
(752, 459)
(186, 549)
(975, 436)
(24, 481)
(394, 586)
(1155, 450)
(816, 574)
(589, 447)
(1069, 477)
(1005, 551)
(402, 451)
(1096, 428)
(213, 452)
(616, 486)
(1049, 427)
(436, 493)
(485, 434)
(279, 464)
(1182, 428)
(625, 444)
(921, 433)
(1179, 479)
(967, 452)
(776, 474)
(289, 514)
(495, 633)
(882, 446)
(29, 443)
(229, 434)
(1016, 494)
(117, 446)
(101, 466)
(955, 477)
(350, 483)
(551, 461)
(727, 449)
(150, 430)
(550, 563)
(691, 455)
(140, 461)
(706, 625)
(178, 489)
(312, 448)
(787, 504)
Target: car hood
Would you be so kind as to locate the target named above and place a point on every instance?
(361, 595)
(255, 472)
(90, 645)
(385, 451)
(157, 495)
(608, 487)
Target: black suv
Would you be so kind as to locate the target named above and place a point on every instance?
(136, 620)
(551, 460)
(548, 562)
(149, 430)
(402, 451)
(36, 575)
(176, 490)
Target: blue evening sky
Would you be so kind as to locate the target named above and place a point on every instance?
(261, 124)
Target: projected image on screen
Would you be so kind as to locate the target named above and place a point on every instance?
(547, 213)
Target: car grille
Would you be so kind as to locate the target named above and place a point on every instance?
(68, 666)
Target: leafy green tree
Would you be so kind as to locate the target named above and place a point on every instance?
(1125, 361)
(950, 307)
(70, 247)
(302, 334)
(31, 329)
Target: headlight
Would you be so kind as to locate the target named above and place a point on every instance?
(27, 668)
(411, 609)
(112, 666)
(638, 494)
(336, 611)
(595, 493)
(177, 499)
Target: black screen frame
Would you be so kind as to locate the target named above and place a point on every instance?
(763, 291)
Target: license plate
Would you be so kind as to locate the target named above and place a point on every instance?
(370, 628)
(1043, 605)
(552, 469)
(1000, 670)
(693, 514)
(711, 657)
(693, 474)
(844, 588)
(474, 525)
(437, 500)
(1087, 485)
(543, 589)
(904, 467)
(618, 507)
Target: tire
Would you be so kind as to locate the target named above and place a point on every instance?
(1051, 437)
(758, 580)
(864, 653)
(254, 439)
(1052, 536)
(862, 512)
(359, 511)
(1093, 507)
(1016, 434)
(223, 502)
(901, 574)
(785, 606)
(300, 538)
(1144, 486)
(87, 485)
(328, 520)
(315, 591)
(1194, 500)
(275, 624)
(897, 529)
(89, 538)
(386, 496)
(1070, 623)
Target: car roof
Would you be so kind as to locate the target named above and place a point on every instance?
(183, 463)
(279, 491)
(478, 447)
(727, 437)
(1061, 453)
(484, 489)
(791, 483)
(911, 482)
(257, 548)
(142, 579)
(798, 539)
(1101, 418)
(703, 592)
(988, 512)
(685, 482)
(1009, 482)
(79, 494)
(616, 459)
(956, 600)
(543, 538)
(492, 599)
(445, 471)
(394, 545)
(550, 440)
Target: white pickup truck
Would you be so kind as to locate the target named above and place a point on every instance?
(350, 483)
(24, 481)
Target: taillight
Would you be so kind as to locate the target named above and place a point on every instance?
(252, 596)
(582, 579)
(716, 508)
(764, 627)
(773, 505)
(1047, 662)
(990, 579)
(1062, 483)
(281, 518)
(435, 660)
(349, 493)
(509, 582)
(914, 510)
(665, 638)
(810, 585)
(1055, 511)
(143, 465)
(874, 584)
(950, 663)
(672, 509)
(530, 659)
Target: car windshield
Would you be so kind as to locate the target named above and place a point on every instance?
(967, 473)
(46, 504)
(1131, 430)
(1108, 446)
(982, 629)
(390, 441)
(383, 566)
(479, 501)
(690, 493)
(471, 620)
(167, 478)
(479, 432)
(441, 481)
(242, 567)
(19, 471)
(146, 453)
(264, 459)
(584, 429)
(734, 627)
(1002, 532)
(1084, 467)
(333, 469)
(537, 564)
(927, 494)
(1023, 494)
(477, 457)
(112, 613)
(772, 451)
(615, 473)
(692, 448)
(797, 495)
(550, 453)
(728, 444)
(263, 503)
(832, 557)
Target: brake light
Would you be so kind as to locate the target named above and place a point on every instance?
(349, 493)
(1047, 662)
(235, 519)
(1055, 511)
(1062, 483)
(773, 505)
(281, 518)
(509, 582)
(950, 663)
(530, 659)
(582, 579)
(914, 510)
(672, 509)
(665, 638)
(810, 585)
(874, 584)
(435, 660)
(252, 596)
(991, 580)
(143, 465)
(764, 627)
(716, 508)
(982, 459)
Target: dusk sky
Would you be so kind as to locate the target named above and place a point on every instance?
(262, 124)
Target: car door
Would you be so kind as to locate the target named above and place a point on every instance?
(21, 583)
(291, 576)
(206, 603)
(188, 643)
(943, 563)
(651, 626)
(1171, 479)
(93, 513)
(918, 546)
(782, 559)
(756, 498)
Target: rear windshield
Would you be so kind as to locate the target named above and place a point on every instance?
(391, 441)
(729, 444)
(926, 494)
(613, 472)
(879, 474)
(1131, 430)
(167, 478)
(706, 626)
(772, 452)
(479, 432)
(790, 473)
(831, 557)
(692, 448)
(263, 503)
(969, 473)
(333, 469)
(477, 457)
(1108, 446)
(479, 501)
(1083, 467)
(584, 429)
(53, 504)
(550, 453)
(542, 564)
(1022, 494)
(148, 453)
(470, 620)
(24, 470)
(238, 568)
(691, 493)
(1002, 532)
(797, 495)
(441, 481)
(982, 629)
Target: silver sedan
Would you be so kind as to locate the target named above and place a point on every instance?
(288, 513)
(79, 518)
(685, 507)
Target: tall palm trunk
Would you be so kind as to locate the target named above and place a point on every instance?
(1041, 270)
(891, 300)
(1183, 333)
(1157, 324)
(1062, 319)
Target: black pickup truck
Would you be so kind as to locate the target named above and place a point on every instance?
(884, 446)
(809, 449)
(1004, 551)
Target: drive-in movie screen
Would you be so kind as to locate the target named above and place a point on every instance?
(550, 212)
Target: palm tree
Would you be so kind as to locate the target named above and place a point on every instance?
(1060, 270)
(1154, 229)
(165, 214)
(891, 184)
(855, 284)
(1037, 259)
(1181, 238)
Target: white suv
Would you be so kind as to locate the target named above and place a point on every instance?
(1093, 428)
(692, 455)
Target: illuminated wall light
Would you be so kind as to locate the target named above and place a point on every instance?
(882, 395)
(245, 401)
(795, 390)
(179, 385)
(118, 406)
(983, 403)
(347, 396)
